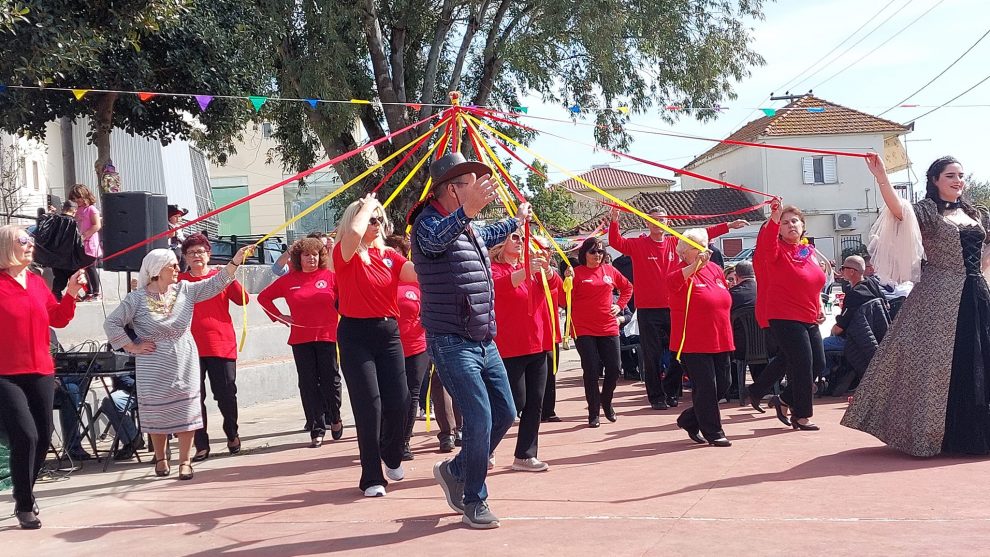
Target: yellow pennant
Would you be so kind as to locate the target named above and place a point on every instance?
(80, 93)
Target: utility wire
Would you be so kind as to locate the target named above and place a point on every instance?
(881, 45)
(980, 82)
(854, 45)
(940, 74)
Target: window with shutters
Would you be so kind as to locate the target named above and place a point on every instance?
(819, 170)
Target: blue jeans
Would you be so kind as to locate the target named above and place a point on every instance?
(67, 400)
(116, 408)
(473, 374)
(834, 347)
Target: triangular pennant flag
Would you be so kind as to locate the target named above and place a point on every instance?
(623, 109)
(414, 106)
(769, 111)
(204, 101)
(816, 109)
(672, 107)
(576, 109)
(79, 93)
(258, 101)
(313, 103)
(523, 109)
(3, 88)
(145, 96)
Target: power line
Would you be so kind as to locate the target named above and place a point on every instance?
(881, 45)
(854, 45)
(940, 74)
(980, 82)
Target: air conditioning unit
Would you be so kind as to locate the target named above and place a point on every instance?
(845, 221)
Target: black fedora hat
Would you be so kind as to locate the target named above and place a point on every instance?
(453, 165)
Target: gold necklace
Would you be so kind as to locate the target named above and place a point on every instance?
(163, 303)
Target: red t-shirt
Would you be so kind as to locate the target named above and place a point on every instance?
(591, 300)
(311, 298)
(524, 321)
(412, 335)
(709, 328)
(212, 327)
(369, 289)
(793, 280)
(25, 315)
(653, 261)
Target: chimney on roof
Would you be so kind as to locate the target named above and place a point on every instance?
(603, 165)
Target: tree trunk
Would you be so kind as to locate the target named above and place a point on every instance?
(444, 24)
(472, 28)
(102, 126)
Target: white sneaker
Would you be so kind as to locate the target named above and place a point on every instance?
(395, 474)
(529, 465)
(375, 491)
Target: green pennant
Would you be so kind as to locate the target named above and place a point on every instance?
(769, 111)
(258, 102)
(523, 109)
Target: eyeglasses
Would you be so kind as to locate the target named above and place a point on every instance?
(375, 221)
(25, 240)
(197, 252)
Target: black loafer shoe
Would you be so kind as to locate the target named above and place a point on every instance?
(336, 434)
(609, 413)
(720, 442)
(593, 422)
(28, 520)
(659, 405)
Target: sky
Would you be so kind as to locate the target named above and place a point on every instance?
(797, 33)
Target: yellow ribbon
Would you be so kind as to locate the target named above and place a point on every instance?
(591, 186)
(568, 287)
(244, 303)
(553, 319)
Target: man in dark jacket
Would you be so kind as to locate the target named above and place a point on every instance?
(744, 292)
(858, 290)
(458, 313)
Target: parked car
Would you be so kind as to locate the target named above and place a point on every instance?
(224, 247)
(744, 255)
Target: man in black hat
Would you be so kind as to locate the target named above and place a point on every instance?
(455, 277)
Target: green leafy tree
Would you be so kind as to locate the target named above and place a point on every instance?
(978, 191)
(554, 206)
(210, 46)
(599, 54)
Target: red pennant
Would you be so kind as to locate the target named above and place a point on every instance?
(414, 106)
(145, 97)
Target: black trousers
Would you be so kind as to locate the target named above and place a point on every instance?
(222, 373)
(26, 414)
(416, 367)
(528, 379)
(710, 376)
(445, 412)
(374, 368)
(673, 377)
(60, 279)
(550, 392)
(319, 384)
(596, 353)
(800, 357)
(653, 338)
(93, 278)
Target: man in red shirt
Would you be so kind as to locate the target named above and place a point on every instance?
(654, 257)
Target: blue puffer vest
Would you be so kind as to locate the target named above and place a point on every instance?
(456, 287)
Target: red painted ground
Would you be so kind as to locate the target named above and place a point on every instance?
(636, 487)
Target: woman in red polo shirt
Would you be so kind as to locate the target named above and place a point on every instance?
(213, 331)
(523, 321)
(595, 320)
(370, 349)
(703, 336)
(412, 335)
(27, 374)
(310, 292)
(790, 302)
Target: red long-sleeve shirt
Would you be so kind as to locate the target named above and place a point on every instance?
(524, 320)
(709, 328)
(591, 299)
(792, 281)
(212, 327)
(412, 335)
(653, 261)
(25, 315)
(311, 298)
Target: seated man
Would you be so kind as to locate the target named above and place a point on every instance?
(858, 290)
(117, 409)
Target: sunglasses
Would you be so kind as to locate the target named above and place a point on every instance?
(375, 221)
(25, 240)
(515, 237)
(596, 251)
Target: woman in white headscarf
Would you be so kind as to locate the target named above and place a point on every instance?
(167, 363)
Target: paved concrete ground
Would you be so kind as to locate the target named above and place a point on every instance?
(635, 487)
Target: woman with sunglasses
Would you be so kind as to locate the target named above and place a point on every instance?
(596, 324)
(371, 357)
(521, 310)
(160, 312)
(27, 374)
(213, 331)
(310, 292)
